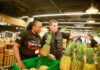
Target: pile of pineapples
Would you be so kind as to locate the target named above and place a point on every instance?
(90, 59)
(77, 56)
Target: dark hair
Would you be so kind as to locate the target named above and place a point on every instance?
(31, 24)
(90, 35)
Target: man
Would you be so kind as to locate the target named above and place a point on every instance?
(78, 40)
(56, 45)
(28, 43)
(93, 41)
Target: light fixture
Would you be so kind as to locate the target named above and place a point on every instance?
(30, 19)
(90, 20)
(24, 17)
(92, 9)
(79, 25)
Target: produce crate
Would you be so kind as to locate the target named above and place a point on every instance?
(8, 58)
(2, 50)
(39, 61)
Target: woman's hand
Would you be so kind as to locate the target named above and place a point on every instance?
(20, 65)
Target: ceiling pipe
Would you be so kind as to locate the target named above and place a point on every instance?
(53, 3)
(73, 27)
(73, 23)
(65, 14)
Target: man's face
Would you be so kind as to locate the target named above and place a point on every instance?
(54, 27)
(37, 27)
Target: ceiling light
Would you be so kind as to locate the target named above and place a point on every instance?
(90, 21)
(30, 19)
(92, 9)
(79, 25)
(24, 17)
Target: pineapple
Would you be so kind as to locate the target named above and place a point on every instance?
(89, 65)
(32, 69)
(65, 63)
(44, 67)
(98, 58)
(77, 62)
(46, 48)
(79, 51)
(69, 49)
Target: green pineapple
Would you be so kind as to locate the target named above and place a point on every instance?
(65, 63)
(69, 49)
(90, 55)
(46, 48)
(77, 62)
(98, 58)
(90, 63)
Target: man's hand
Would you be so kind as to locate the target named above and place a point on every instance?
(51, 56)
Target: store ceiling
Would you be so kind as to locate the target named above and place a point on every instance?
(33, 7)
(18, 8)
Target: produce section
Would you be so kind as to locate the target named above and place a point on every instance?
(49, 35)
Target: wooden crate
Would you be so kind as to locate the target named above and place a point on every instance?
(9, 58)
(2, 50)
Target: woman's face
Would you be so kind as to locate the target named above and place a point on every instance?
(37, 27)
(54, 27)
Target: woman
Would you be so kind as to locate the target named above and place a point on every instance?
(28, 43)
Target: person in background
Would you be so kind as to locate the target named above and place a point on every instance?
(79, 40)
(28, 43)
(56, 45)
(93, 42)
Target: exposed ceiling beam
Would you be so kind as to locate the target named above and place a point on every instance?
(74, 23)
(65, 14)
(75, 27)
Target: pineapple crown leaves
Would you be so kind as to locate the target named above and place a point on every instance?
(98, 54)
(90, 55)
(98, 51)
(48, 40)
(80, 48)
(80, 51)
(69, 49)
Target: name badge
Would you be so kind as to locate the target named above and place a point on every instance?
(37, 51)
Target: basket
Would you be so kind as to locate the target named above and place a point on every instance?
(39, 61)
